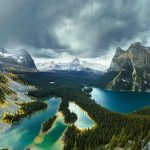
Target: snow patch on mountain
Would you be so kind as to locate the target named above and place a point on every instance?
(74, 65)
(21, 58)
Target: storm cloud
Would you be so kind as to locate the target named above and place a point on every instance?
(84, 28)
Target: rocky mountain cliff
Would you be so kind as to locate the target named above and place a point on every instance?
(129, 70)
(25, 59)
(20, 60)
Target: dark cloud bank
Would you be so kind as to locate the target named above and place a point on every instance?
(86, 28)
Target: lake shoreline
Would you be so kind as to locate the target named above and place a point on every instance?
(124, 91)
(87, 115)
(120, 102)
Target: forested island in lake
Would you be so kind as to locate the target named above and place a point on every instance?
(48, 124)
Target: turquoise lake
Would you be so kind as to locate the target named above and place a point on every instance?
(83, 121)
(123, 102)
(26, 131)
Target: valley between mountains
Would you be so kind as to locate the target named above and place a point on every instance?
(78, 108)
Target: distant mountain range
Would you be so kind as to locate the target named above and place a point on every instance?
(20, 60)
(129, 70)
(74, 65)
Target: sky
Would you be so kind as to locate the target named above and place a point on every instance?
(65, 29)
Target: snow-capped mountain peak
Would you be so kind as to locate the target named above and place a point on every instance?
(2, 50)
(25, 59)
(19, 58)
(75, 61)
(74, 65)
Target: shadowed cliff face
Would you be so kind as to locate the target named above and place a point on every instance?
(21, 60)
(26, 59)
(132, 68)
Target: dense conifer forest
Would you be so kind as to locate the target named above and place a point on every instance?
(113, 130)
